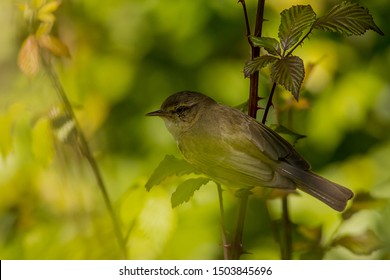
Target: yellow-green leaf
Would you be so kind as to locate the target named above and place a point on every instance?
(45, 13)
(28, 58)
(5, 132)
(54, 45)
(169, 166)
(43, 29)
(42, 141)
(36, 4)
(186, 190)
(362, 244)
(363, 201)
(49, 7)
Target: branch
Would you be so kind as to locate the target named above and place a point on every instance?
(84, 147)
(223, 228)
(269, 103)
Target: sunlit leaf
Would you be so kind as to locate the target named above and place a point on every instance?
(54, 45)
(50, 7)
(45, 13)
(311, 233)
(42, 141)
(44, 29)
(348, 19)
(258, 63)
(362, 244)
(271, 45)
(28, 58)
(363, 201)
(289, 72)
(286, 133)
(293, 22)
(35, 4)
(307, 242)
(5, 132)
(47, 17)
(169, 166)
(186, 190)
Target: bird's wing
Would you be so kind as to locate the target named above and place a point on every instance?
(234, 165)
(273, 145)
(229, 155)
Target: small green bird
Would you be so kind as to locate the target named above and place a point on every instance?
(235, 150)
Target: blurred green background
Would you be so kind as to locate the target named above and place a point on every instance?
(127, 56)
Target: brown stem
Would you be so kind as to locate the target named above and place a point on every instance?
(236, 247)
(254, 78)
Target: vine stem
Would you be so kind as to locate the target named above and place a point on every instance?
(85, 149)
(269, 103)
(223, 227)
(286, 244)
(236, 248)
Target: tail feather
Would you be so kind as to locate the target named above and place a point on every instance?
(332, 194)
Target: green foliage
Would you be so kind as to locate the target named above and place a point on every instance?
(348, 19)
(185, 190)
(169, 166)
(293, 22)
(288, 70)
(49, 205)
(362, 244)
(363, 201)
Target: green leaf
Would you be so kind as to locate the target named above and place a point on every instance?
(186, 190)
(363, 201)
(293, 22)
(348, 19)
(286, 133)
(256, 64)
(42, 142)
(362, 244)
(289, 72)
(271, 45)
(169, 166)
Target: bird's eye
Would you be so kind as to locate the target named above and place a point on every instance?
(181, 109)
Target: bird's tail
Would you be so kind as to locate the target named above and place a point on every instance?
(332, 194)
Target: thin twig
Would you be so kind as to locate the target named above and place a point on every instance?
(236, 248)
(247, 24)
(223, 227)
(300, 41)
(269, 103)
(84, 147)
(287, 241)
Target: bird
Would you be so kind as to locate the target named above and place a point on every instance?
(237, 151)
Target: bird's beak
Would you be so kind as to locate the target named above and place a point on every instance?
(159, 113)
